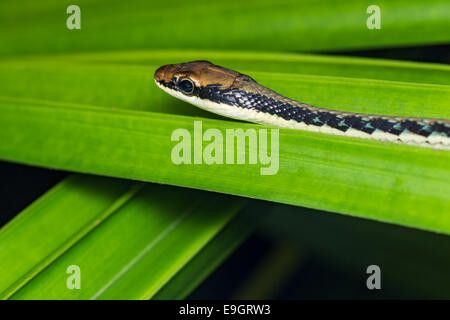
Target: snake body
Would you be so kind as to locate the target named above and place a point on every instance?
(238, 96)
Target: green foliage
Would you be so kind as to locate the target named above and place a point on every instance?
(286, 25)
(319, 171)
(129, 239)
(99, 112)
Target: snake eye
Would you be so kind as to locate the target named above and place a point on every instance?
(186, 86)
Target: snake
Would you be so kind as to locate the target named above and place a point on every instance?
(238, 96)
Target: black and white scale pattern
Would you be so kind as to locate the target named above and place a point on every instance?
(293, 110)
(270, 102)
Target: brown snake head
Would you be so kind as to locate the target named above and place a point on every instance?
(196, 77)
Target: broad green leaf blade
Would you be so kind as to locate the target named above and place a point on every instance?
(144, 242)
(410, 184)
(254, 24)
(125, 80)
(54, 223)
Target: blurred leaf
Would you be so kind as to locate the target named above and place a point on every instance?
(415, 261)
(253, 24)
(145, 240)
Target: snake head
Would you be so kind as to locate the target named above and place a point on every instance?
(205, 85)
(191, 77)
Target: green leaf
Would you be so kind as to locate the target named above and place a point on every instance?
(125, 80)
(139, 240)
(315, 170)
(213, 254)
(54, 223)
(255, 24)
